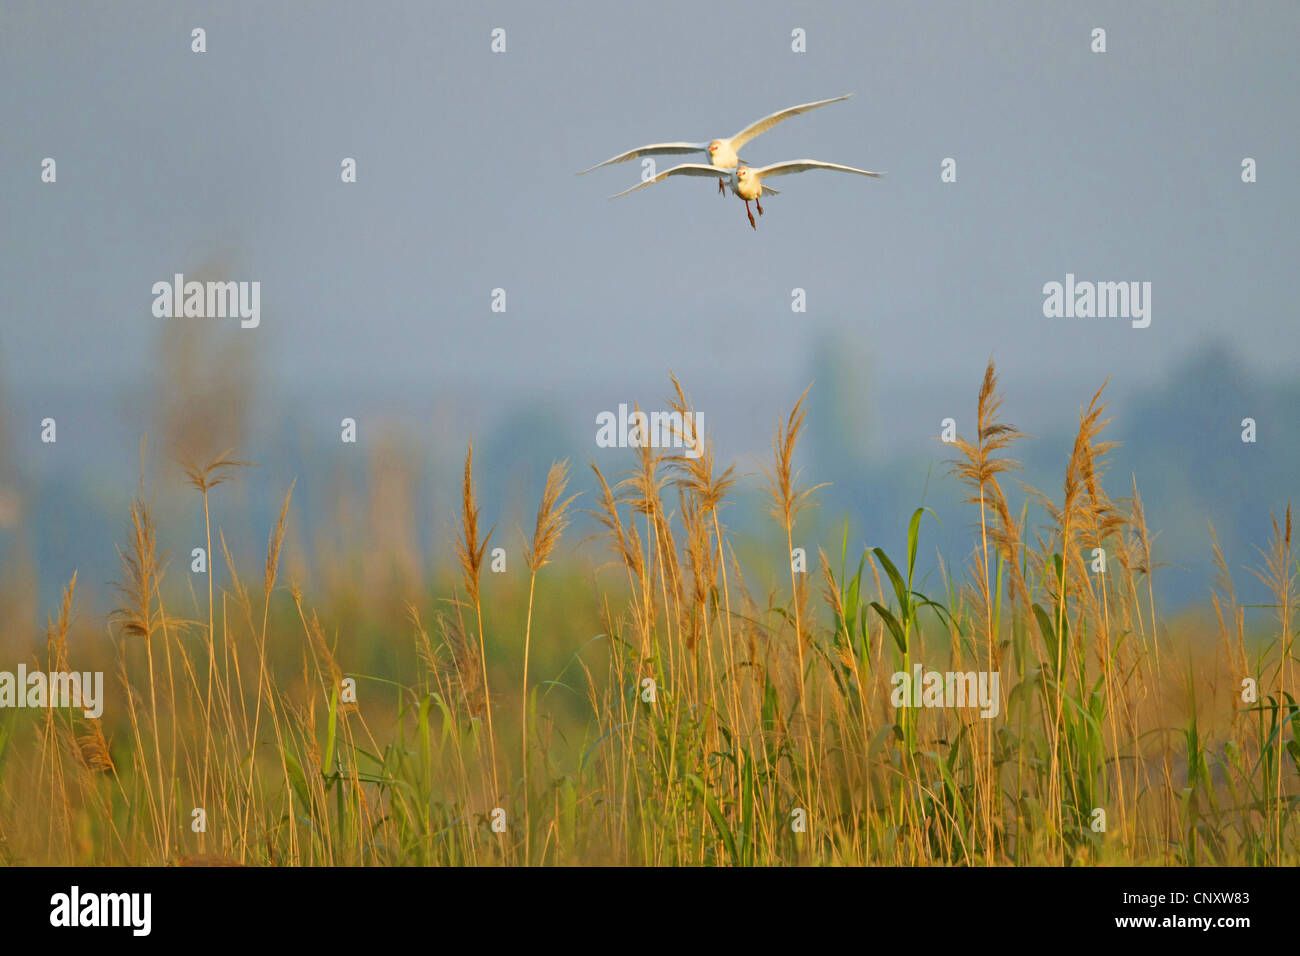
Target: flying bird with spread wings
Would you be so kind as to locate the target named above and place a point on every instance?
(723, 153)
(749, 183)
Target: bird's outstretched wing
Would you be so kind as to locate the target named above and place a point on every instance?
(686, 169)
(767, 122)
(658, 149)
(803, 165)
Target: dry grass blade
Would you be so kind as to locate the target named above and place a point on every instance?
(423, 646)
(324, 654)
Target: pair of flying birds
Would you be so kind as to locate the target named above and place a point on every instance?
(724, 161)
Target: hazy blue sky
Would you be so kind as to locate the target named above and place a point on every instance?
(1116, 166)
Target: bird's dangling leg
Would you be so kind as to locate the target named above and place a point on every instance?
(750, 215)
(722, 188)
(758, 201)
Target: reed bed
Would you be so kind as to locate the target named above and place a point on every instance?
(691, 719)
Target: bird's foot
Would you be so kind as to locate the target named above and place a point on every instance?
(753, 225)
(759, 204)
(722, 188)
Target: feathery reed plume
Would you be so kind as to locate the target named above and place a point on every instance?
(696, 481)
(469, 671)
(1104, 519)
(93, 749)
(1138, 520)
(470, 553)
(787, 501)
(56, 635)
(464, 659)
(1080, 474)
(647, 498)
(1146, 563)
(276, 540)
(978, 469)
(1074, 515)
(1277, 574)
(626, 542)
(700, 560)
(203, 478)
(264, 690)
(141, 569)
(468, 549)
(696, 473)
(142, 573)
(56, 732)
(218, 471)
(552, 519)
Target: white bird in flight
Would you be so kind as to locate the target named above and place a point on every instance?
(748, 183)
(722, 152)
